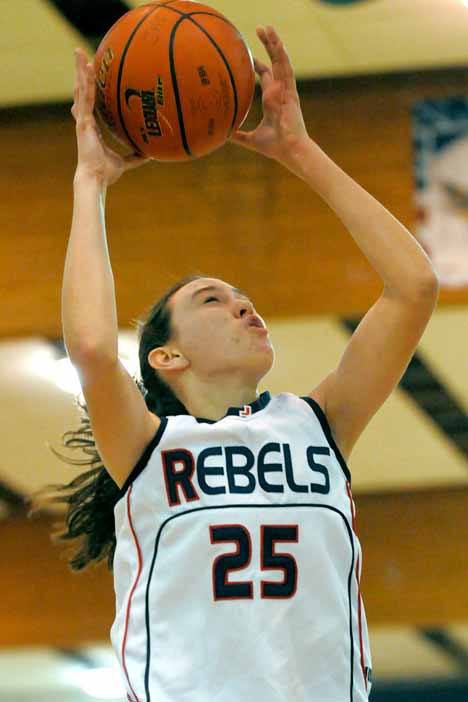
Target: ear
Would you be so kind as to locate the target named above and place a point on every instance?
(165, 358)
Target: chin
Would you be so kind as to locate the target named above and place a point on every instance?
(265, 361)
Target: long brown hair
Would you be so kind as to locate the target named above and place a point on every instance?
(92, 495)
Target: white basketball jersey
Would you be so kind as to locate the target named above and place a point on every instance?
(237, 564)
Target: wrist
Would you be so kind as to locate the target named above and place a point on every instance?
(307, 161)
(299, 151)
(84, 178)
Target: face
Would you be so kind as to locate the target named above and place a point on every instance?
(211, 330)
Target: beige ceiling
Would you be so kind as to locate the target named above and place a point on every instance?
(373, 37)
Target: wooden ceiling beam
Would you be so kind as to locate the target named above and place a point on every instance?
(233, 215)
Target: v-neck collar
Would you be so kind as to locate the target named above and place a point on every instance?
(244, 411)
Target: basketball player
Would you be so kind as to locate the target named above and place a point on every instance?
(228, 516)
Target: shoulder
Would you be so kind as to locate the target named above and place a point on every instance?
(289, 399)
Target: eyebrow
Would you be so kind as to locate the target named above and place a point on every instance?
(238, 292)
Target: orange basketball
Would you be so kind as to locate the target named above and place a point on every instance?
(174, 79)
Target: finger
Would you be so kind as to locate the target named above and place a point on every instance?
(76, 82)
(79, 81)
(81, 56)
(279, 56)
(82, 83)
(281, 63)
(264, 72)
(267, 43)
(76, 86)
(90, 88)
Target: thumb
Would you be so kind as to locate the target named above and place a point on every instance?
(243, 139)
(134, 160)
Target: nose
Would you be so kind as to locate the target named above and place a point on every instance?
(243, 307)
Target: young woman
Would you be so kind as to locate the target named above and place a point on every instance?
(228, 517)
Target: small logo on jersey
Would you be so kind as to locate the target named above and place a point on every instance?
(246, 412)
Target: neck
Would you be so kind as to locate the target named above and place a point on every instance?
(212, 399)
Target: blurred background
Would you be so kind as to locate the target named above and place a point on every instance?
(384, 91)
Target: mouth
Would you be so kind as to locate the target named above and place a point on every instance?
(254, 322)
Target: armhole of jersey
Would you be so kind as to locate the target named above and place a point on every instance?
(143, 462)
(320, 414)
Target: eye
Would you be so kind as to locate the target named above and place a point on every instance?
(211, 298)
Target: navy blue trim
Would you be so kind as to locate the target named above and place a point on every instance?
(238, 506)
(320, 414)
(258, 404)
(143, 462)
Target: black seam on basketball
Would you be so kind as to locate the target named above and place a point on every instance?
(175, 86)
(228, 67)
(223, 19)
(121, 65)
(210, 14)
(163, 4)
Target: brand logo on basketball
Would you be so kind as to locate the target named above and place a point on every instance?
(246, 412)
(107, 59)
(148, 103)
(101, 89)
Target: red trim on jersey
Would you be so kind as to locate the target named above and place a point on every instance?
(353, 513)
(360, 625)
(129, 605)
(353, 509)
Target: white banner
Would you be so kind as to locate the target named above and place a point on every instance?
(440, 138)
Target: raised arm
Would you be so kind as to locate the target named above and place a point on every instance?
(89, 317)
(121, 423)
(382, 346)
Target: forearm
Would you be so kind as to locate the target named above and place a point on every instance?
(89, 315)
(389, 247)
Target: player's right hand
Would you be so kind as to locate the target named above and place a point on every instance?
(95, 159)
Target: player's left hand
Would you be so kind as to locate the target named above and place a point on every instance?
(282, 127)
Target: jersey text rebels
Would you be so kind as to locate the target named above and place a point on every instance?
(257, 471)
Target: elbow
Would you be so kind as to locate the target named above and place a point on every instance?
(91, 354)
(427, 291)
(430, 284)
(426, 286)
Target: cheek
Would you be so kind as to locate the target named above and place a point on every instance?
(207, 334)
(217, 335)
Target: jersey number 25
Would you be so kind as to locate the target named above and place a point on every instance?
(240, 559)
